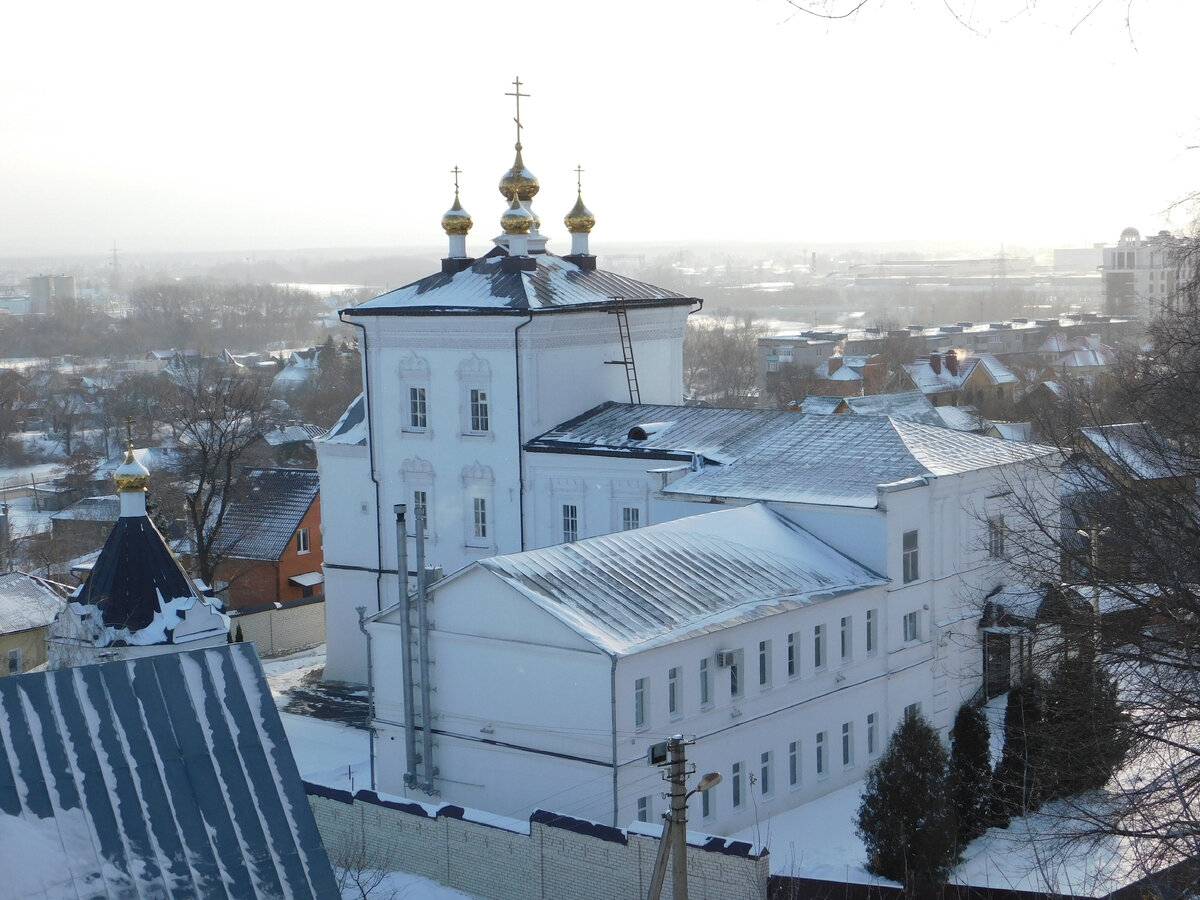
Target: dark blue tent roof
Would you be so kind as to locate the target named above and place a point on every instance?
(164, 776)
(134, 569)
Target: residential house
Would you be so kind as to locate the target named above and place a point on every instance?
(28, 606)
(952, 379)
(853, 375)
(167, 776)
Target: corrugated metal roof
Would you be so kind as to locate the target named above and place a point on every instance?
(292, 434)
(260, 524)
(351, 427)
(27, 602)
(634, 589)
(484, 286)
(912, 406)
(91, 509)
(165, 776)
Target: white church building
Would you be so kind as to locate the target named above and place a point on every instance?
(620, 567)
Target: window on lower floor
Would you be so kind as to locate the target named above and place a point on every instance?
(631, 518)
(819, 647)
(995, 537)
(418, 411)
(707, 804)
(847, 744)
(674, 706)
(764, 664)
(872, 631)
(766, 782)
(912, 626)
(847, 638)
(820, 752)
(480, 512)
(643, 809)
(16, 661)
(912, 569)
(872, 734)
(479, 410)
(421, 511)
(570, 523)
(705, 684)
(736, 786)
(794, 764)
(912, 711)
(302, 541)
(793, 654)
(639, 703)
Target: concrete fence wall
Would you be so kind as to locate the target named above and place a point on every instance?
(274, 631)
(558, 857)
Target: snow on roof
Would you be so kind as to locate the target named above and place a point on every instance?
(1087, 359)
(163, 776)
(91, 509)
(912, 406)
(961, 418)
(1137, 450)
(822, 406)
(27, 602)
(485, 286)
(842, 461)
(1012, 431)
(351, 428)
(260, 524)
(630, 590)
(292, 434)
(931, 382)
(996, 370)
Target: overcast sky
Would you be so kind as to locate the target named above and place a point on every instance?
(263, 125)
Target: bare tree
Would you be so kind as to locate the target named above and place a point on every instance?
(720, 359)
(219, 414)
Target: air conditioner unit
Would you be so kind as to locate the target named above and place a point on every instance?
(726, 658)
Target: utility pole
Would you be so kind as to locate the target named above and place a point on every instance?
(672, 755)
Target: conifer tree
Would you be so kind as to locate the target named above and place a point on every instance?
(1017, 785)
(906, 818)
(970, 772)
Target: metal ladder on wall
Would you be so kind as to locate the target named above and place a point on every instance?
(635, 394)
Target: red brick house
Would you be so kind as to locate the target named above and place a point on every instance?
(271, 540)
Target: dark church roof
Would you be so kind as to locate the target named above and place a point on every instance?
(135, 574)
(164, 776)
(488, 287)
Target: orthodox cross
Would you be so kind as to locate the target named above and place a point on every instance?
(456, 171)
(579, 179)
(517, 93)
(129, 429)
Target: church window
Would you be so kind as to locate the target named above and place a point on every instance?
(570, 523)
(631, 518)
(480, 511)
(479, 410)
(417, 409)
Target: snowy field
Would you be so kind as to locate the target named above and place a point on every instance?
(816, 840)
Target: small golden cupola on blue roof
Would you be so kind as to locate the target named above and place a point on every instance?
(579, 221)
(456, 222)
(519, 186)
(132, 480)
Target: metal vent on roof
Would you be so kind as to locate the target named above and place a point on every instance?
(646, 429)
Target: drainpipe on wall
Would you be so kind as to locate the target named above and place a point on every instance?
(423, 657)
(406, 661)
(362, 626)
(612, 689)
(520, 438)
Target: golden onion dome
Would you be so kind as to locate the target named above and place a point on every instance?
(131, 475)
(580, 219)
(456, 220)
(519, 181)
(516, 219)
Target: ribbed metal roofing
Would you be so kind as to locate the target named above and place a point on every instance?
(27, 602)
(484, 287)
(634, 589)
(165, 776)
(260, 524)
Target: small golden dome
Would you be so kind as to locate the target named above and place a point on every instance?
(580, 219)
(131, 475)
(456, 220)
(519, 181)
(516, 219)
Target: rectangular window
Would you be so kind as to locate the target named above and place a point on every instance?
(764, 663)
(872, 631)
(302, 541)
(847, 744)
(912, 626)
(793, 655)
(417, 410)
(631, 518)
(765, 783)
(707, 804)
(996, 537)
(912, 711)
(872, 734)
(736, 783)
(639, 703)
(819, 647)
(735, 676)
(912, 570)
(674, 707)
(705, 684)
(481, 523)
(643, 809)
(420, 510)
(794, 761)
(570, 522)
(479, 410)
(820, 751)
(847, 638)
(16, 661)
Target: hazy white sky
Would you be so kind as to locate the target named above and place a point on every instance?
(258, 125)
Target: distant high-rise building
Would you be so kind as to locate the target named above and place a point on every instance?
(1139, 273)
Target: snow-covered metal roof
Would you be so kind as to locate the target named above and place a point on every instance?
(28, 602)
(292, 434)
(631, 590)
(912, 406)
(91, 509)
(260, 524)
(165, 776)
(1137, 451)
(486, 287)
(351, 428)
(843, 460)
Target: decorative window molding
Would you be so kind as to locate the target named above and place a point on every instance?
(478, 483)
(418, 477)
(414, 394)
(475, 400)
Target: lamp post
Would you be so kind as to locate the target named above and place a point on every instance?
(674, 837)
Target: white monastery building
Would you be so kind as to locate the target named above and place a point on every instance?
(619, 567)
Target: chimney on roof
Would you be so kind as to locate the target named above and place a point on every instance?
(835, 363)
(952, 363)
(935, 363)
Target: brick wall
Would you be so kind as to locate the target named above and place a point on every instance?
(558, 857)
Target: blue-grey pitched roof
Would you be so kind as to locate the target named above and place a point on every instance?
(484, 287)
(28, 602)
(260, 524)
(135, 574)
(165, 776)
(351, 428)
